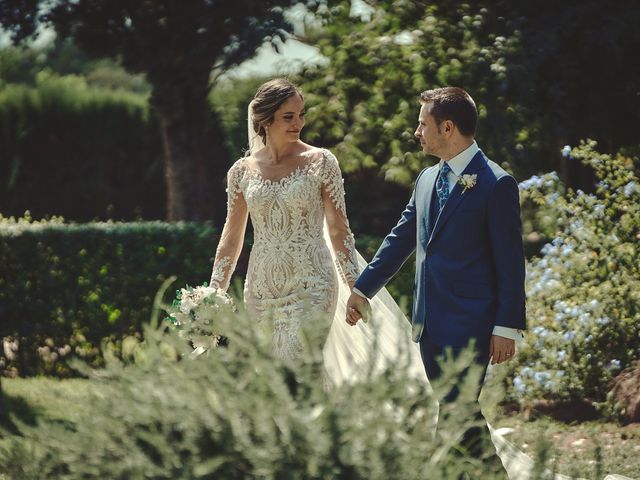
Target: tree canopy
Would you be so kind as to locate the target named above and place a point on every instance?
(543, 74)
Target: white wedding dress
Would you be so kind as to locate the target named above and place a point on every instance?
(291, 266)
(303, 260)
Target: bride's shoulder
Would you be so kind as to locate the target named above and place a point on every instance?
(321, 162)
(252, 160)
(242, 162)
(239, 167)
(319, 155)
(329, 161)
(328, 155)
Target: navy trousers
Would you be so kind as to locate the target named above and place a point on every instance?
(477, 440)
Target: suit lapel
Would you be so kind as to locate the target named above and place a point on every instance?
(476, 164)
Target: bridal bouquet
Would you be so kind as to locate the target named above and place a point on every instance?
(194, 312)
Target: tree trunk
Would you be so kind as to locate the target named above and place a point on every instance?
(3, 407)
(182, 109)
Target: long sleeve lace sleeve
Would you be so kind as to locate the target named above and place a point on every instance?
(337, 222)
(232, 237)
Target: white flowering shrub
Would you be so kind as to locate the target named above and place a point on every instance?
(583, 290)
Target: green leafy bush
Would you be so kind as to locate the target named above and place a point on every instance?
(365, 102)
(64, 288)
(236, 412)
(583, 291)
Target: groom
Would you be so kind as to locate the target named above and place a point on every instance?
(463, 221)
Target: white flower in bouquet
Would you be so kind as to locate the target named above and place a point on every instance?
(195, 312)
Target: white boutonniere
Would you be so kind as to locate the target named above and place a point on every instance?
(468, 181)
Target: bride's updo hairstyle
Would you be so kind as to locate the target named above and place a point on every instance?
(269, 97)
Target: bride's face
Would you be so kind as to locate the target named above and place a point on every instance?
(288, 121)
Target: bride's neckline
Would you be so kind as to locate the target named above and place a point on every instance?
(298, 169)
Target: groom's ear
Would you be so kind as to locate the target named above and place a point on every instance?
(448, 126)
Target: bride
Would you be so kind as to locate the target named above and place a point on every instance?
(290, 188)
(304, 257)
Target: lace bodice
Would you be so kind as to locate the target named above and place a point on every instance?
(288, 218)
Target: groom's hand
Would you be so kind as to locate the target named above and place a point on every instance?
(357, 306)
(501, 349)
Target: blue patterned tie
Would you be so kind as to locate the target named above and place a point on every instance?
(442, 185)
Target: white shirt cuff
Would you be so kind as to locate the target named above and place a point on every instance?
(507, 332)
(358, 292)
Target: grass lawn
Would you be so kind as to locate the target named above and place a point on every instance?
(574, 444)
(53, 398)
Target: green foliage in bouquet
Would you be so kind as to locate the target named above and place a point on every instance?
(583, 291)
(64, 288)
(235, 412)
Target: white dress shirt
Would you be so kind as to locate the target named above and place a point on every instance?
(458, 165)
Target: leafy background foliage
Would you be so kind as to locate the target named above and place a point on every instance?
(583, 291)
(526, 64)
(78, 151)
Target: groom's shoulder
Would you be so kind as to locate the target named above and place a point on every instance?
(426, 170)
(495, 170)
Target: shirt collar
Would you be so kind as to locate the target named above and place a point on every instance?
(460, 162)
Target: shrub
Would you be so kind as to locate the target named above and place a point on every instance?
(584, 290)
(78, 151)
(64, 288)
(236, 412)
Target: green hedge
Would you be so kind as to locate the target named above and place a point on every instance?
(78, 151)
(66, 287)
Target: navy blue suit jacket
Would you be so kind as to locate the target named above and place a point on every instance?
(470, 265)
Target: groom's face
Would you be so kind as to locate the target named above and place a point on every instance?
(428, 132)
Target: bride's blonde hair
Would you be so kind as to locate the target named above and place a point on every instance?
(269, 97)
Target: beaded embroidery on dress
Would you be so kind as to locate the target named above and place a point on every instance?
(291, 270)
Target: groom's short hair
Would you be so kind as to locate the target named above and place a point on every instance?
(452, 103)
